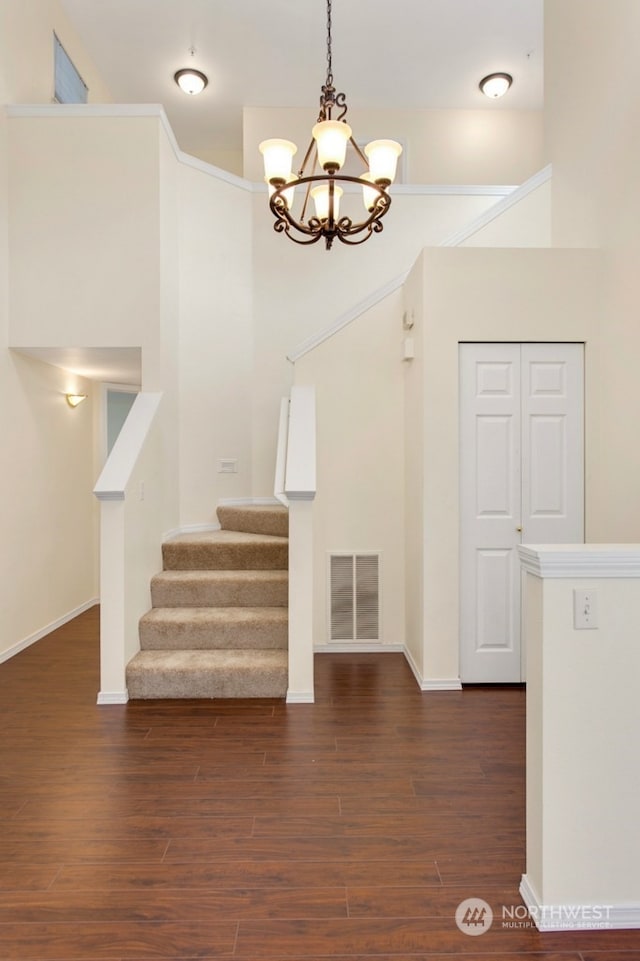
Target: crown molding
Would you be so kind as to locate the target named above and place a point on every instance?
(580, 560)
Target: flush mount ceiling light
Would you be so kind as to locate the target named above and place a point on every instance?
(74, 399)
(320, 175)
(496, 84)
(190, 80)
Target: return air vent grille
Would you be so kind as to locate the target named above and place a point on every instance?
(354, 597)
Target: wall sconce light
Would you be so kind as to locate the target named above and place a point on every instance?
(496, 84)
(74, 399)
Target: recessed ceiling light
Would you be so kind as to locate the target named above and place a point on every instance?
(191, 81)
(496, 84)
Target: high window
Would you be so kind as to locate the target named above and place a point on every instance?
(69, 87)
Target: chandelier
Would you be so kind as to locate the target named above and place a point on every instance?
(320, 175)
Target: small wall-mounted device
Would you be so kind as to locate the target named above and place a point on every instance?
(408, 319)
(408, 350)
(585, 610)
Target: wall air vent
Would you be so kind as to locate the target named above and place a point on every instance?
(354, 597)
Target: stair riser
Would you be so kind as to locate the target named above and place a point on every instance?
(205, 594)
(184, 686)
(255, 521)
(186, 677)
(224, 557)
(199, 638)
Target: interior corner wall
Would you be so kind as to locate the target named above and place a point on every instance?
(359, 505)
(490, 295)
(414, 468)
(593, 139)
(216, 343)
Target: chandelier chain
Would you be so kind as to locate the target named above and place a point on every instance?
(329, 55)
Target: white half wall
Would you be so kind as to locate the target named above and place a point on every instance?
(583, 771)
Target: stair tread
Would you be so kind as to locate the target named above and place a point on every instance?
(225, 550)
(215, 615)
(271, 574)
(253, 659)
(226, 537)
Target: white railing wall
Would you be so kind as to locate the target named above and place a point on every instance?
(130, 492)
(300, 491)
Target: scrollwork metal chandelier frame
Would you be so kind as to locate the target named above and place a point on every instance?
(329, 225)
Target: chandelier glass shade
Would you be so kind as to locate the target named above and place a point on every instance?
(321, 178)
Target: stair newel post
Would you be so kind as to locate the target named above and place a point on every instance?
(301, 688)
(300, 489)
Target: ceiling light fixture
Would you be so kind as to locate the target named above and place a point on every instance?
(189, 79)
(328, 151)
(496, 84)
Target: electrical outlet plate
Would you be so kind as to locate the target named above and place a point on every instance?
(585, 610)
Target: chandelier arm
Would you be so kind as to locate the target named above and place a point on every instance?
(284, 220)
(306, 158)
(373, 228)
(359, 153)
(282, 226)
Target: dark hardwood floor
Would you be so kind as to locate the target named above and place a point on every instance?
(347, 829)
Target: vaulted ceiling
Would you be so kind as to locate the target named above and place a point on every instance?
(261, 53)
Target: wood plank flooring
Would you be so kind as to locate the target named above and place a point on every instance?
(348, 830)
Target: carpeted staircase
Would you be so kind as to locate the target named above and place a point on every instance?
(218, 626)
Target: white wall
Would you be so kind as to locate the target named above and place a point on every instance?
(358, 376)
(216, 343)
(525, 224)
(300, 291)
(485, 146)
(414, 469)
(26, 51)
(486, 295)
(47, 564)
(84, 219)
(49, 557)
(593, 139)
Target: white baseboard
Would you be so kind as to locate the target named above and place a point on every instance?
(300, 697)
(431, 683)
(357, 647)
(441, 684)
(54, 625)
(578, 917)
(249, 502)
(112, 697)
(190, 529)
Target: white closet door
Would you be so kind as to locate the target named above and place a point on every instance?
(521, 481)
